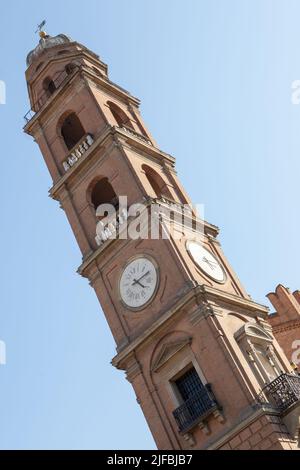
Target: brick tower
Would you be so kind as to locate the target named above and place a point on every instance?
(199, 353)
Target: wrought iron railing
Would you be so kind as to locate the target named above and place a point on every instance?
(196, 408)
(57, 82)
(282, 392)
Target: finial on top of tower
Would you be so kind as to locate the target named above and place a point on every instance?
(40, 29)
(46, 42)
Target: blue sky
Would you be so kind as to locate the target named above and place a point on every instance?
(215, 81)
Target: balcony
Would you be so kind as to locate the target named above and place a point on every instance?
(194, 410)
(111, 229)
(136, 134)
(78, 151)
(282, 393)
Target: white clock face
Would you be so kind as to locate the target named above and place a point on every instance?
(138, 282)
(206, 261)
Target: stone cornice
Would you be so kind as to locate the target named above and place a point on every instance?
(83, 268)
(198, 294)
(117, 136)
(212, 294)
(100, 140)
(88, 76)
(110, 87)
(118, 360)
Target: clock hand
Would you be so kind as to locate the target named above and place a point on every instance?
(212, 264)
(138, 281)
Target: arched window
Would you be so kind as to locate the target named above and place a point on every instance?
(119, 115)
(72, 130)
(157, 183)
(103, 193)
(49, 86)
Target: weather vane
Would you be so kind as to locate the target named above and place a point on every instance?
(40, 29)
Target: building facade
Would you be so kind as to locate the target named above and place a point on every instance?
(285, 321)
(199, 353)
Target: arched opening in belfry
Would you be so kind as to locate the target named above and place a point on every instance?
(157, 183)
(120, 116)
(103, 193)
(72, 130)
(49, 86)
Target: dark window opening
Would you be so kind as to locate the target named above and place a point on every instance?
(157, 183)
(154, 184)
(103, 193)
(189, 384)
(72, 131)
(120, 116)
(49, 86)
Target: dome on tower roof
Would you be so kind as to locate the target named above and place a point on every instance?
(46, 42)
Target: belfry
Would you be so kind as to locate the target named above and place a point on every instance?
(199, 352)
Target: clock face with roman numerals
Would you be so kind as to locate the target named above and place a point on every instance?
(206, 261)
(138, 283)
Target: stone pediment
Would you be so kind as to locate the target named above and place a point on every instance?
(253, 330)
(169, 350)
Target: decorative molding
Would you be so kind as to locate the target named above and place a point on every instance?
(133, 370)
(204, 428)
(189, 438)
(250, 330)
(204, 311)
(286, 327)
(219, 416)
(168, 351)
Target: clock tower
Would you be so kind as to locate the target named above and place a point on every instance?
(198, 351)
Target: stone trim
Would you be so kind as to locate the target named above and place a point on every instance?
(165, 317)
(169, 350)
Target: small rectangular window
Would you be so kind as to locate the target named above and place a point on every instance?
(189, 384)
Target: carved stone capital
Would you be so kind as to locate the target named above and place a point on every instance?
(204, 311)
